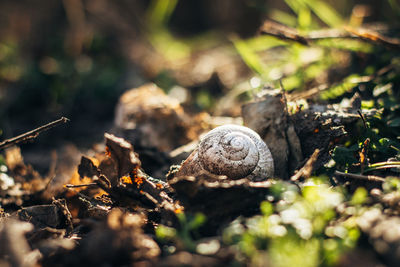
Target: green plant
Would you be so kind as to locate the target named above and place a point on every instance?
(182, 236)
(298, 223)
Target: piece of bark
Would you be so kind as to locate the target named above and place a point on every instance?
(55, 215)
(295, 137)
(267, 116)
(324, 126)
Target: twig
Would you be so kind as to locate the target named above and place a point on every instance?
(374, 37)
(80, 185)
(307, 169)
(372, 178)
(53, 164)
(284, 97)
(286, 33)
(50, 180)
(282, 32)
(93, 202)
(363, 119)
(32, 134)
(51, 175)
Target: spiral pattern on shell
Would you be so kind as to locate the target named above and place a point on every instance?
(235, 151)
(231, 150)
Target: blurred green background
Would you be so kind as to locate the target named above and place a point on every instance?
(74, 58)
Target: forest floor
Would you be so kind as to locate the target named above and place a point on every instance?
(332, 125)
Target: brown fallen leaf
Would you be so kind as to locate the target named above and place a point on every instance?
(121, 177)
(55, 215)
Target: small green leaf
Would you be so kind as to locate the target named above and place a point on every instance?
(359, 196)
(266, 208)
(165, 233)
(249, 56)
(325, 12)
(198, 220)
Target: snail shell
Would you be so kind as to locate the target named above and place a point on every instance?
(230, 150)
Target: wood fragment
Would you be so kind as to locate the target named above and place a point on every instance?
(32, 134)
(372, 178)
(307, 169)
(80, 185)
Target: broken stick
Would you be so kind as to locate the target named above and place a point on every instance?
(32, 134)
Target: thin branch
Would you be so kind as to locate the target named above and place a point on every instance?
(93, 202)
(307, 169)
(363, 119)
(284, 98)
(80, 185)
(287, 33)
(32, 134)
(282, 32)
(372, 178)
(374, 37)
(50, 179)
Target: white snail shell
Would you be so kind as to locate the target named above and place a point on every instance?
(231, 150)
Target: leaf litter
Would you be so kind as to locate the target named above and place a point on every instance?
(321, 201)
